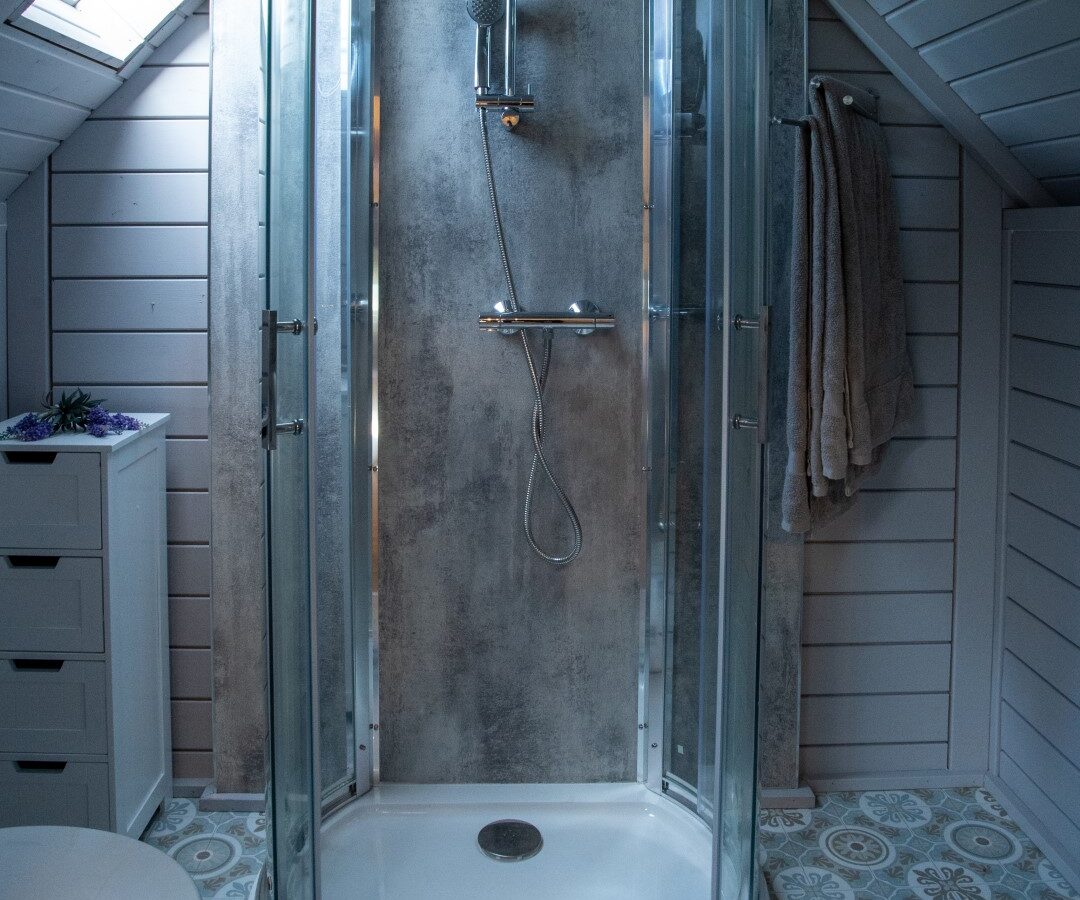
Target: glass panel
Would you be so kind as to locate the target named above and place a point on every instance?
(333, 393)
(362, 310)
(654, 687)
(292, 793)
(343, 396)
(737, 224)
(691, 595)
(707, 193)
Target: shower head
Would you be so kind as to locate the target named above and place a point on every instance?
(484, 12)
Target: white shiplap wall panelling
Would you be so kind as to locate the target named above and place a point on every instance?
(136, 145)
(130, 198)
(1039, 732)
(47, 91)
(129, 251)
(3, 310)
(129, 302)
(879, 617)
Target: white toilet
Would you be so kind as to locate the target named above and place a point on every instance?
(59, 863)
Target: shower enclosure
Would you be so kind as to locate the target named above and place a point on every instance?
(424, 662)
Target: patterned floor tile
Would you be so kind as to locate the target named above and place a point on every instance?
(222, 851)
(957, 844)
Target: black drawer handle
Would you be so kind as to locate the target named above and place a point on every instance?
(40, 765)
(33, 562)
(37, 665)
(30, 457)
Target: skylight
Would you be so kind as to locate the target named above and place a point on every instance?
(110, 31)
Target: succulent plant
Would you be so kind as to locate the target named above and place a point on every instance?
(70, 412)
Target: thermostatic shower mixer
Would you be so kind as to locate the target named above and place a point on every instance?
(505, 97)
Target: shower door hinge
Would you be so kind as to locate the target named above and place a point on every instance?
(296, 426)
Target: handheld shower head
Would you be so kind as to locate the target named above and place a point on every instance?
(484, 12)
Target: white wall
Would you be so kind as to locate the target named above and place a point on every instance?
(1038, 733)
(3, 310)
(897, 618)
(129, 229)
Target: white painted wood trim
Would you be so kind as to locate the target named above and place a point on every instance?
(1054, 218)
(28, 293)
(1001, 545)
(930, 778)
(977, 475)
(801, 797)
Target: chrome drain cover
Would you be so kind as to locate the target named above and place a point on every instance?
(510, 840)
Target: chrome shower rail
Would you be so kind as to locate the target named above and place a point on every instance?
(504, 97)
(511, 322)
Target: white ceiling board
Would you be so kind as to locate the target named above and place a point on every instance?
(47, 92)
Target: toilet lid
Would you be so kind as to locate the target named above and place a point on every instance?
(57, 863)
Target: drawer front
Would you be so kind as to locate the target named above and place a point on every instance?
(50, 500)
(51, 605)
(53, 792)
(49, 706)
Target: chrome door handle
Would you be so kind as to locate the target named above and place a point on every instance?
(761, 326)
(764, 333)
(271, 328)
(269, 379)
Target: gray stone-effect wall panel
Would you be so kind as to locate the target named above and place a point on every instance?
(495, 665)
(237, 459)
(782, 563)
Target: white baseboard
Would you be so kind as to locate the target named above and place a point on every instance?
(189, 788)
(211, 801)
(898, 781)
(262, 884)
(1033, 828)
(801, 797)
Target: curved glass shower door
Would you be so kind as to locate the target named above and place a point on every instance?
(293, 795)
(706, 350)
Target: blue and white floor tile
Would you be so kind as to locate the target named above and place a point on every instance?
(222, 851)
(956, 844)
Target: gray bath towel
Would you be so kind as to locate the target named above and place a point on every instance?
(849, 385)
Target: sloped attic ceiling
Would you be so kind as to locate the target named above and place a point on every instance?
(1002, 75)
(47, 91)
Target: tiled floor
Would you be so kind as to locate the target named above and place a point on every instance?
(957, 844)
(223, 852)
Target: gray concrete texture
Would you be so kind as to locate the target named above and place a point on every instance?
(496, 666)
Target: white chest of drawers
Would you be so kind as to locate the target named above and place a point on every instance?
(84, 639)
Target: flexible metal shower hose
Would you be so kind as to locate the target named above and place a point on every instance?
(539, 379)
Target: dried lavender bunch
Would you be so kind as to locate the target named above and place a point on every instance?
(100, 422)
(30, 427)
(77, 411)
